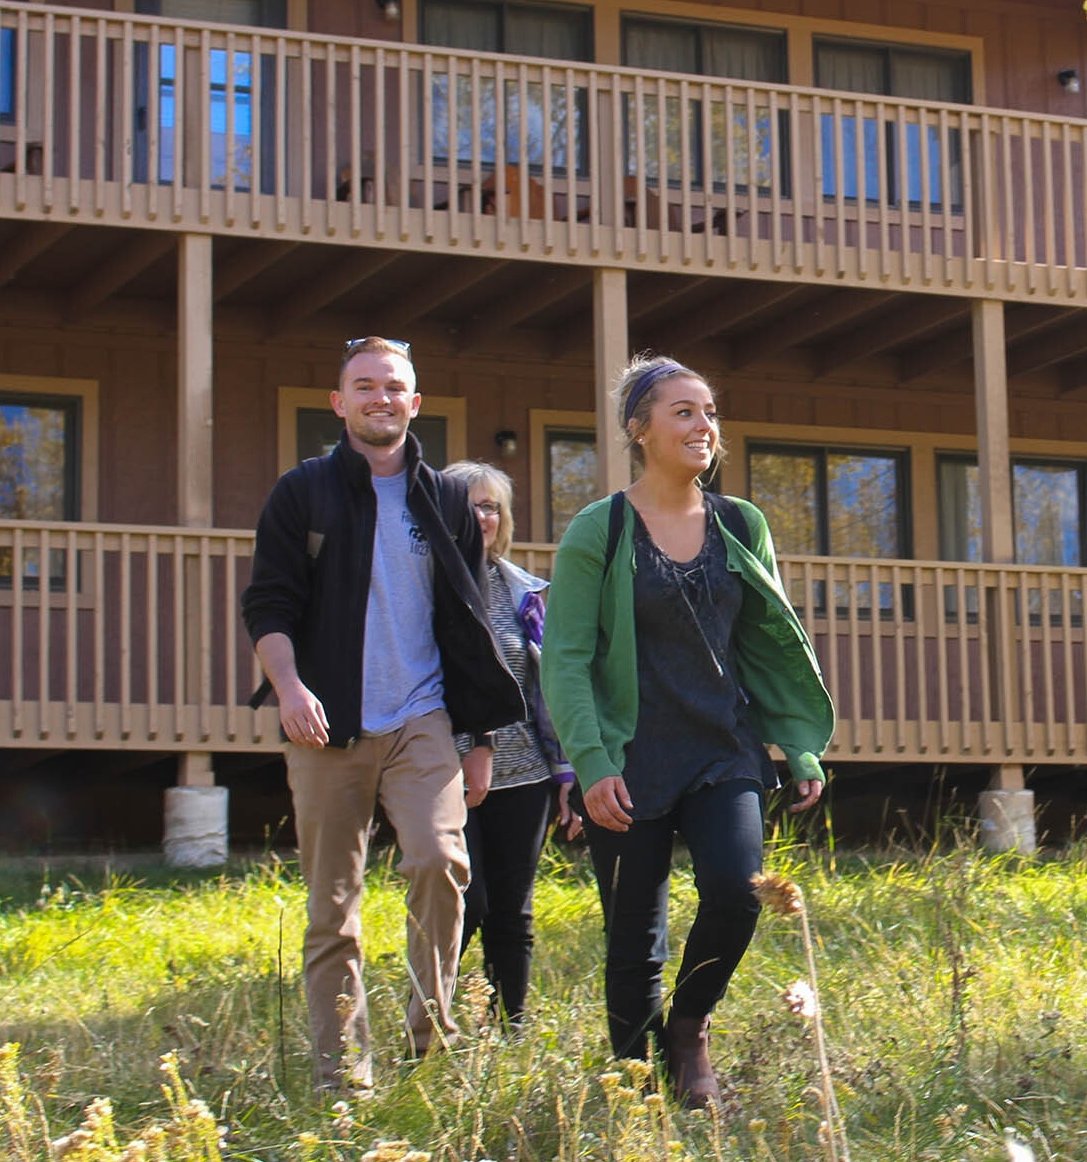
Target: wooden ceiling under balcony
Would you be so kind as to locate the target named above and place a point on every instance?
(58, 275)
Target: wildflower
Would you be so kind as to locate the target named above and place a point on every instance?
(639, 1071)
(1017, 1151)
(800, 999)
(778, 893)
(757, 1125)
(610, 1081)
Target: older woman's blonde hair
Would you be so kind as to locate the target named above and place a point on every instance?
(477, 474)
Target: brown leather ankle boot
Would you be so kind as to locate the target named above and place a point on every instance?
(687, 1040)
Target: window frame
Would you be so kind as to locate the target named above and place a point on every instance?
(8, 59)
(577, 166)
(901, 455)
(542, 422)
(897, 196)
(83, 395)
(698, 163)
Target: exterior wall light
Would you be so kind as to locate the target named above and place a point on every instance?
(1069, 79)
(391, 8)
(506, 443)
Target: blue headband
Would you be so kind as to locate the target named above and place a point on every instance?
(646, 380)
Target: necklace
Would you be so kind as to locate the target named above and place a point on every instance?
(688, 578)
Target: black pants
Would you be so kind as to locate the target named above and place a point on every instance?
(722, 826)
(505, 835)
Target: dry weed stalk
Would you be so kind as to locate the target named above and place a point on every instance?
(781, 895)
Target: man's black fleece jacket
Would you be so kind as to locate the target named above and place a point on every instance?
(311, 576)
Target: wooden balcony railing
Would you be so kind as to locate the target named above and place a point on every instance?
(124, 119)
(118, 636)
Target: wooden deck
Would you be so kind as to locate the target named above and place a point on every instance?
(173, 126)
(139, 645)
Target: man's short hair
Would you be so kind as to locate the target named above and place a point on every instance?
(376, 345)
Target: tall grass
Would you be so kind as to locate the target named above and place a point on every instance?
(954, 1003)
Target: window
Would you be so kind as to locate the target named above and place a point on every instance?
(309, 427)
(743, 54)
(1049, 510)
(7, 74)
(838, 502)
(893, 71)
(1048, 502)
(230, 96)
(571, 476)
(39, 469)
(551, 31)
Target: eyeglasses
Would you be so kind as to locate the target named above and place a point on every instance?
(488, 508)
(401, 345)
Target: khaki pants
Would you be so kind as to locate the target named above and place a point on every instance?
(415, 773)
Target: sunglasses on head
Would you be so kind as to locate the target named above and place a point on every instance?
(401, 345)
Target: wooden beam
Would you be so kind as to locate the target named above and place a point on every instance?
(834, 310)
(950, 350)
(643, 298)
(332, 283)
(454, 280)
(194, 380)
(994, 454)
(1073, 376)
(610, 353)
(31, 239)
(536, 295)
(125, 264)
(1054, 347)
(246, 263)
(719, 314)
(907, 320)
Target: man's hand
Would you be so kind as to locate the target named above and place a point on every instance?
(608, 803)
(300, 711)
(808, 791)
(303, 716)
(476, 765)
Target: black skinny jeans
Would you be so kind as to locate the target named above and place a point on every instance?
(505, 835)
(722, 826)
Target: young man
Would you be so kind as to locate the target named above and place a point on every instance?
(366, 611)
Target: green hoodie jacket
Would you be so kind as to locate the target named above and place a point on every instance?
(589, 668)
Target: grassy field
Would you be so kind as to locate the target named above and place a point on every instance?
(953, 987)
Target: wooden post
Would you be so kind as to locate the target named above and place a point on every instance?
(609, 355)
(1005, 800)
(194, 381)
(188, 801)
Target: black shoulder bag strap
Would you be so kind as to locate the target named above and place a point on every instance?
(615, 528)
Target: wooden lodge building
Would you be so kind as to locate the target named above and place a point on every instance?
(864, 219)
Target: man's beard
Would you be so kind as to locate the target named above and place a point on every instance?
(380, 437)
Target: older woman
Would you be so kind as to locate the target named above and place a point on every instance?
(672, 655)
(506, 830)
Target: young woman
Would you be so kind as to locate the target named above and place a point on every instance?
(505, 832)
(672, 655)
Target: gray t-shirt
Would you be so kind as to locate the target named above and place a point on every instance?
(401, 667)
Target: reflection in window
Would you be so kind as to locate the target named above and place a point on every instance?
(892, 71)
(1049, 513)
(237, 168)
(1048, 505)
(39, 438)
(741, 54)
(833, 502)
(561, 34)
(7, 74)
(571, 476)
